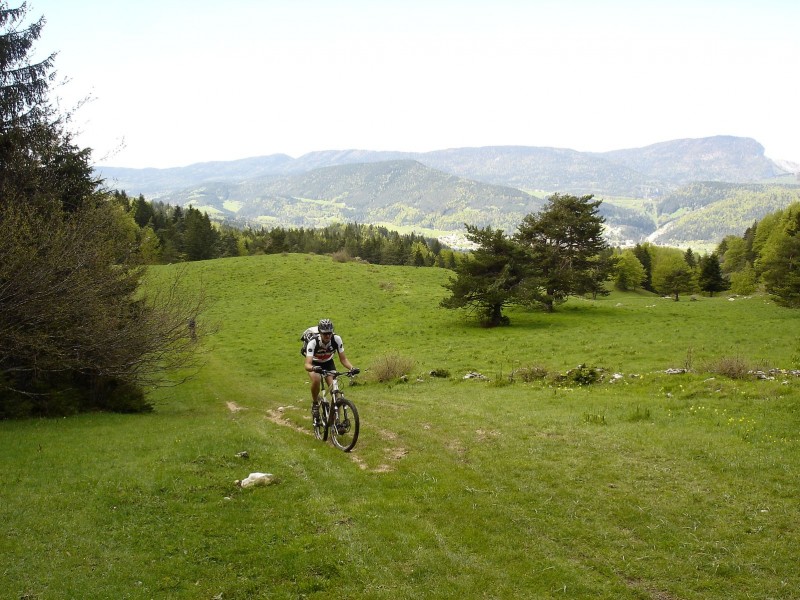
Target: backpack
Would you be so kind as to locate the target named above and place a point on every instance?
(311, 333)
(308, 335)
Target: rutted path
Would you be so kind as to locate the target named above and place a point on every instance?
(393, 453)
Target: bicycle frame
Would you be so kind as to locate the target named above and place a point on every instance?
(339, 415)
(335, 392)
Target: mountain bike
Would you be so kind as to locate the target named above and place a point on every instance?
(338, 415)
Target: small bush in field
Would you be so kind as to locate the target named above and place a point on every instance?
(390, 367)
(734, 367)
(581, 375)
(341, 256)
(529, 374)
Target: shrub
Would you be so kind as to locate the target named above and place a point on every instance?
(341, 256)
(641, 414)
(390, 367)
(581, 375)
(529, 374)
(734, 367)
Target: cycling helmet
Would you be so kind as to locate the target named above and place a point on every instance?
(325, 326)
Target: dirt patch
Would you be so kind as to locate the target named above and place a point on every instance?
(483, 435)
(393, 455)
(233, 407)
(276, 416)
(645, 587)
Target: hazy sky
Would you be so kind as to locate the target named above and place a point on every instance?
(175, 82)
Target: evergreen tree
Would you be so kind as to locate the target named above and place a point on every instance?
(565, 242)
(710, 278)
(491, 278)
(644, 253)
(75, 330)
(200, 237)
(690, 259)
(142, 211)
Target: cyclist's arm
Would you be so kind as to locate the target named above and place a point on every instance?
(343, 359)
(309, 365)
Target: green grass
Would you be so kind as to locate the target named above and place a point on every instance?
(650, 486)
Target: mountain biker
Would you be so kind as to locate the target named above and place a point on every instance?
(319, 357)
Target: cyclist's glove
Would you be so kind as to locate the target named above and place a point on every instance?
(316, 369)
(355, 371)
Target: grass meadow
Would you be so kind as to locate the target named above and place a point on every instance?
(646, 485)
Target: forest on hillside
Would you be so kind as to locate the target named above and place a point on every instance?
(167, 233)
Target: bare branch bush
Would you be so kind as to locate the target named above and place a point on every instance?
(69, 306)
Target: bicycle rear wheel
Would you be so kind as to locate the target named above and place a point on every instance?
(321, 429)
(344, 431)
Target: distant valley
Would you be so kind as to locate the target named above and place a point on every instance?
(689, 192)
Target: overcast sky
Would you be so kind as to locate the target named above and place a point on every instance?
(176, 82)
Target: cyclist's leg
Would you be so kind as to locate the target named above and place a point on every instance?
(315, 385)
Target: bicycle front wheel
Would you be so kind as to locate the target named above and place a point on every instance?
(321, 428)
(344, 431)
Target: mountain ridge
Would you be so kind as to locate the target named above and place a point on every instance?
(443, 189)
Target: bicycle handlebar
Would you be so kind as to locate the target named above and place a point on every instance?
(335, 374)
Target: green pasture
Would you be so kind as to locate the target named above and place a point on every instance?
(646, 485)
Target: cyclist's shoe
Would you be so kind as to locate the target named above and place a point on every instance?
(315, 415)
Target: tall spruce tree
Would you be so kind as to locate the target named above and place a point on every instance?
(710, 278)
(75, 331)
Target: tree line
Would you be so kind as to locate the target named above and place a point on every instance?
(161, 234)
(560, 252)
(765, 258)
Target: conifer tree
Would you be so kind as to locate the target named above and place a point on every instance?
(710, 278)
(75, 331)
(492, 278)
(565, 243)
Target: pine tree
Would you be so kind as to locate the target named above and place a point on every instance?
(710, 279)
(491, 278)
(644, 253)
(565, 243)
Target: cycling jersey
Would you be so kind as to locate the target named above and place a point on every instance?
(322, 352)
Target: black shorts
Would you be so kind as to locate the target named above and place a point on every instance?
(328, 365)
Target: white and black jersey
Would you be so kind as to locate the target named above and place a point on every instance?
(322, 352)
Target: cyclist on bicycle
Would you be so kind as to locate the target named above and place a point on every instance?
(319, 357)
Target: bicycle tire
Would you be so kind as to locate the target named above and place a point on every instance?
(344, 431)
(321, 430)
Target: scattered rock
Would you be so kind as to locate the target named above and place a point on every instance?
(255, 479)
(243, 454)
(474, 375)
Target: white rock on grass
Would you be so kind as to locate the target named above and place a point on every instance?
(255, 479)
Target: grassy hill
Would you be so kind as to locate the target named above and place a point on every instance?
(646, 485)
